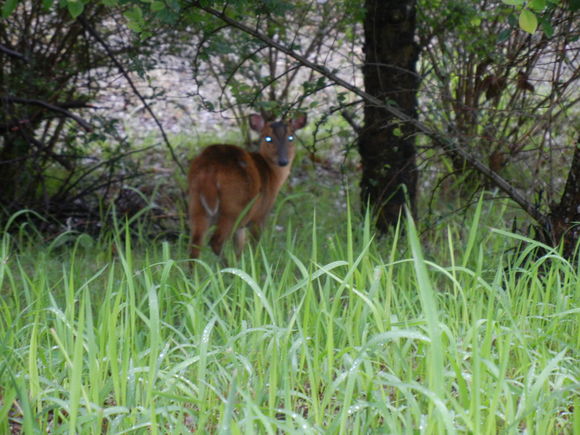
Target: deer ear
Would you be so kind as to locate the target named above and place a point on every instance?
(257, 122)
(299, 122)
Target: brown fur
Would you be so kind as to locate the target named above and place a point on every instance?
(232, 188)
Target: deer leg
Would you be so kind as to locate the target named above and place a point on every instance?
(256, 230)
(224, 227)
(239, 241)
(199, 223)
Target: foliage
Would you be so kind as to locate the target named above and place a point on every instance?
(317, 330)
(532, 12)
(257, 76)
(504, 96)
(60, 153)
(507, 97)
(43, 145)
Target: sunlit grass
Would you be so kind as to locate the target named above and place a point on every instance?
(321, 327)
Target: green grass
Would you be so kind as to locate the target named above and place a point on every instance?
(320, 328)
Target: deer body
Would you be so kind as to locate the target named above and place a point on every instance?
(231, 188)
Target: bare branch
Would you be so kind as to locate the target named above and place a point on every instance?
(348, 118)
(55, 108)
(13, 53)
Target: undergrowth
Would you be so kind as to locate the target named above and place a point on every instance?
(322, 327)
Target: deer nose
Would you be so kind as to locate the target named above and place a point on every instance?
(282, 162)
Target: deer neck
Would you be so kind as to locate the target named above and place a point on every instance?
(273, 176)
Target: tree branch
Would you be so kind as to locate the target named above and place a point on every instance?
(437, 136)
(55, 108)
(349, 118)
(13, 53)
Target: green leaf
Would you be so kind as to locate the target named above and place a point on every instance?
(547, 27)
(8, 7)
(528, 21)
(397, 132)
(75, 8)
(504, 35)
(110, 3)
(513, 2)
(157, 6)
(537, 5)
(475, 21)
(512, 20)
(135, 18)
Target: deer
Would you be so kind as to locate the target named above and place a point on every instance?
(232, 189)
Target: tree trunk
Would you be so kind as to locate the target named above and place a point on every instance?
(387, 146)
(565, 217)
(15, 152)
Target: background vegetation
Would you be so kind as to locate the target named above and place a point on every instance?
(483, 91)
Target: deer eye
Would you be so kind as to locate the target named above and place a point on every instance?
(268, 139)
(290, 138)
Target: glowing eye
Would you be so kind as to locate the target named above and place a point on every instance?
(290, 138)
(268, 139)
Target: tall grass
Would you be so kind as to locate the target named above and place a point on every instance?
(320, 328)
